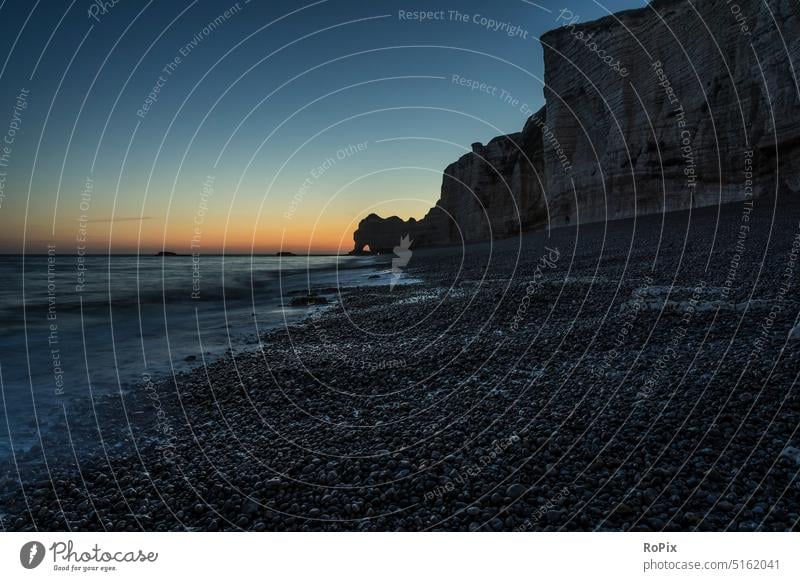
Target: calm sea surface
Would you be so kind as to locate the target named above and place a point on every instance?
(68, 330)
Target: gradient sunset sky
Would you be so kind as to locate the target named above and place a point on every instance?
(252, 142)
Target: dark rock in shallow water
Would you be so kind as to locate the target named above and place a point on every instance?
(327, 290)
(309, 300)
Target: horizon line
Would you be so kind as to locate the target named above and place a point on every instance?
(175, 255)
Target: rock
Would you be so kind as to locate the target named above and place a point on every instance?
(554, 517)
(655, 523)
(504, 175)
(791, 453)
(515, 490)
(381, 235)
(651, 131)
(309, 300)
(603, 130)
(624, 509)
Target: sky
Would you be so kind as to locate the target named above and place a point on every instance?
(237, 127)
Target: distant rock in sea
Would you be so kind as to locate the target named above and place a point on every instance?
(167, 253)
(671, 106)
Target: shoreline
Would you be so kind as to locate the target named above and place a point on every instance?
(27, 447)
(546, 426)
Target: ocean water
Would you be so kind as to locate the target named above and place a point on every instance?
(72, 329)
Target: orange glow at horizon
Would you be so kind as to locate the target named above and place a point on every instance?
(331, 234)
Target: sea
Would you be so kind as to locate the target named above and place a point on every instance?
(74, 328)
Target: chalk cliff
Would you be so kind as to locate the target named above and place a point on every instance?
(709, 96)
(494, 191)
(662, 108)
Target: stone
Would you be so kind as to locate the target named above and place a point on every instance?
(309, 300)
(791, 453)
(515, 490)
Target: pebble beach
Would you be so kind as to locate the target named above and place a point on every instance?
(629, 375)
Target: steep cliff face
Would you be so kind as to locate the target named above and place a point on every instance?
(693, 109)
(497, 190)
(666, 107)
(494, 191)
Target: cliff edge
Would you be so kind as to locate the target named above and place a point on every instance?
(662, 108)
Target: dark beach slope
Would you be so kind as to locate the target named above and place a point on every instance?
(635, 375)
